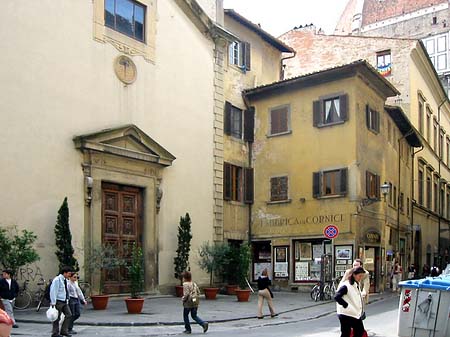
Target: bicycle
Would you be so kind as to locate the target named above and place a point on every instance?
(39, 295)
(23, 299)
(85, 288)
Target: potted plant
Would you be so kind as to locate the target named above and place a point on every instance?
(136, 274)
(212, 258)
(181, 261)
(244, 260)
(230, 270)
(100, 258)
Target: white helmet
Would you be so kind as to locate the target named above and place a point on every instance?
(52, 314)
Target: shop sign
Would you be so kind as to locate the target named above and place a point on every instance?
(307, 220)
(373, 237)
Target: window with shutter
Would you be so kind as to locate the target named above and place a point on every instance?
(279, 188)
(233, 121)
(330, 183)
(372, 119)
(330, 111)
(239, 54)
(372, 185)
(279, 120)
(233, 182)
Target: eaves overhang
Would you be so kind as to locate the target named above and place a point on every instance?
(362, 67)
(404, 125)
(272, 40)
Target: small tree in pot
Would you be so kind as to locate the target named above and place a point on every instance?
(212, 259)
(243, 265)
(181, 261)
(100, 258)
(136, 275)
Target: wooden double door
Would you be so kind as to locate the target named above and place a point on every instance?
(121, 228)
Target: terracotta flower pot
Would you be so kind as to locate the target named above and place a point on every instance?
(99, 302)
(134, 305)
(179, 291)
(243, 295)
(231, 289)
(210, 293)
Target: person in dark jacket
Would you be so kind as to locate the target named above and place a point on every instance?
(264, 293)
(9, 289)
(350, 305)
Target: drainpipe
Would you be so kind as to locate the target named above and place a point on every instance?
(282, 65)
(440, 155)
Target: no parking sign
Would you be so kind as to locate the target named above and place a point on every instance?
(331, 231)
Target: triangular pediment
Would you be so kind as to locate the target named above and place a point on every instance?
(127, 141)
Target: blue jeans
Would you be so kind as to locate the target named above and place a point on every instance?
(193, 312)
(74, 304)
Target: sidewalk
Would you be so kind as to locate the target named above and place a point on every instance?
(167, 310)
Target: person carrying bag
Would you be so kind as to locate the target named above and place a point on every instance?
(264, 292)
(191, 300)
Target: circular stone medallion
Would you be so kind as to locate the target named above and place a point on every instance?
(125, 69)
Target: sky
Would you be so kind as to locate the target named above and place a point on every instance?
(279, 16)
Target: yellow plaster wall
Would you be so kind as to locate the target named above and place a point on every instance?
(59, 82)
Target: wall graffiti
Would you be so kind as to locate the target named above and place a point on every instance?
(30, 273)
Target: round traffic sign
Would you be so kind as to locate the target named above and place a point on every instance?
(331, 231)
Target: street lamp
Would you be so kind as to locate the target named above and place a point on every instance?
(385, 188)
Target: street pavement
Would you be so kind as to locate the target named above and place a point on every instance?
(166, 311)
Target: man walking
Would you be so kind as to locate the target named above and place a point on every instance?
(9, 289)
(59, 298)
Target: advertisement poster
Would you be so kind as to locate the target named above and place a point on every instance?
(281, 268)
(301, 271)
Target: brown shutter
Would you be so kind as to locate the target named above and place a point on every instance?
(368, 184)
(247, 54)
(316, 184)
(344, 180)
(249, 124)
(377, 186)
(227, 118)
(248, 187)
(275, 126)
(226, 181)
(343, 102)
(378, 121)
(368, 116)
(317, 113)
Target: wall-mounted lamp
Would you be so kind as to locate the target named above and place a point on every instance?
(385, 188)
(89, 181)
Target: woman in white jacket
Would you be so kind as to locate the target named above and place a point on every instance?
(350, 305)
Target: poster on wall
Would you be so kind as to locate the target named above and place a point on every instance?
(305, 251)
(281, 267)
(301, 271)
(317, 251)
(259, 267)
(344, 252)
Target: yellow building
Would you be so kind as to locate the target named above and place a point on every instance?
(253, 60)
(324, 144)
(406, 64)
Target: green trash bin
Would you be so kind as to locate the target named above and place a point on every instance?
(424, 308)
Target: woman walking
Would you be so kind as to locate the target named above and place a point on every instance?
(264, 293)
(190, 303)
(350, 307)
(76, 297)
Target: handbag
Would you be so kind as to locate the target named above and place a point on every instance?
(52, 314)
(270, 291)
(363, 316)
(363, 335)
(193, 299)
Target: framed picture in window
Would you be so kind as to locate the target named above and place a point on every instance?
(305, 251)
(281, 267)
(344, 252)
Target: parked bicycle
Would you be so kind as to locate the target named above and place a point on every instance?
(324, 291)
(85, 288)
(39, 295)
(23, 299)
